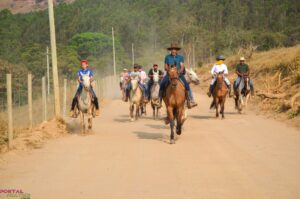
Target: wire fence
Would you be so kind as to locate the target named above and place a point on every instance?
(41, 108)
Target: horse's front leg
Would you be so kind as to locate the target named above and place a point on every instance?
(90, 119)
(172, 124)
(222, 108)
(179, 119)
(131, 109)
(217, 107)
(137, 111)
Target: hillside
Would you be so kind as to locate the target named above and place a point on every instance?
(24, 6)
(276, 75)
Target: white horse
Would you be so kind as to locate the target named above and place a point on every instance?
(85, 103)
(154, 94)
(135, 98)
(242, 94)
(191, 77)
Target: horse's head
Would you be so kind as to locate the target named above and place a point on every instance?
(86, 81)
(192, 76)
(173, 75)
(155, 77)
(246, 81)
(134, 82)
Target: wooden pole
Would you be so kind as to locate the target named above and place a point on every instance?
(132, 52)
(9, 111)
(54, 59)
(48, 74)
(114, 51)
(65, 98)
(44, 98)
(30, 101)
(194, 60)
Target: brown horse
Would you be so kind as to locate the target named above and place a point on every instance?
(219, 94)
(174, 100)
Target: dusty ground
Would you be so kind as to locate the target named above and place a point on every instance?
(243, 156)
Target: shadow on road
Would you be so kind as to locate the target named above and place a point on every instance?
(202, 117)
(149, 136)
(122, 120)
(156, 126)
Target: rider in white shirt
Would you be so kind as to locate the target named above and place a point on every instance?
(218, 67)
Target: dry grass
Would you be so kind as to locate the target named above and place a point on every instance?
(25, 139)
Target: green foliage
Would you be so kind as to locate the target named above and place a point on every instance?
(84, 30)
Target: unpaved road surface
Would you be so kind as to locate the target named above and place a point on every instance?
(241, 157)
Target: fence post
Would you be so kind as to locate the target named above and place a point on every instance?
(44, 98)
(9, 111)
(30, 100)
(65, 98)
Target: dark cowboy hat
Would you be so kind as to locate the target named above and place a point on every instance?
(174, 46)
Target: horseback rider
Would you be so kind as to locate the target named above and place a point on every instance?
(124, 76)
(80, 73)
(218, 67)
(137, 71)
(174, 59)
(243, 69)
(154, 70)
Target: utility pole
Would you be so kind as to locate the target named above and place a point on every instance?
(48, 73)
(54, 59)
(132, 52)
(114, 51)
(194, 60)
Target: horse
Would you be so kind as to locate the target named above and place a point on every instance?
(192, 77)
(85, 103)
(219, 94)
(154, 96)
(242, 94)
(123, 86)
(174, 101)
(135, 98)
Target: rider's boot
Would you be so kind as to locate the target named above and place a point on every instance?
(190, 101)
(229, 90)
(126, 96)
(72, 113)
(252, 91)
(209, 93)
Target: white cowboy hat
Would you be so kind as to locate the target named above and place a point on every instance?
(242, 58)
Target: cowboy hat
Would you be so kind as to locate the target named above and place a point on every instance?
(242, 58)
(174, 46)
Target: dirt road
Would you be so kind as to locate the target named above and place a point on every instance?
(243, 156)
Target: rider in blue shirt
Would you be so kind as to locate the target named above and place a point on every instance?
(177, 60)
(80, 73)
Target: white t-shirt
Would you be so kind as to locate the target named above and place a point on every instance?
(143, 76)
(219, 68)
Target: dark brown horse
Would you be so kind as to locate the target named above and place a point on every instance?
(219, 94)
(174, 100)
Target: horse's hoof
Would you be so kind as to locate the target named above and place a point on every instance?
(178, 132)
(131, 120)
(172, 141)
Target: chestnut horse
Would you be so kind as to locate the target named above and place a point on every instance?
(219, 94)
(174, 100)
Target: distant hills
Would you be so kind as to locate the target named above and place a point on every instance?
(24, 6)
